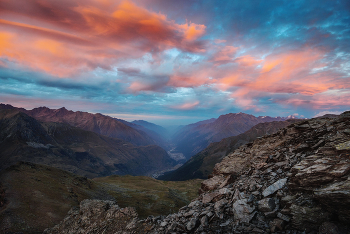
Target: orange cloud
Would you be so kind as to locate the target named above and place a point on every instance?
(79, 37)
(224, 55)
(247, 60)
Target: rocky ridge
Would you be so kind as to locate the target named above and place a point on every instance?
(294, 181)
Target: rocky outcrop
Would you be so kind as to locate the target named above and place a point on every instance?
(97, 216)
(293, 181)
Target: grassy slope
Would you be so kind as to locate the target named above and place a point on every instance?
(37, 196)
(148, 195)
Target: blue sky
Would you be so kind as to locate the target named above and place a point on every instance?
(176, 62)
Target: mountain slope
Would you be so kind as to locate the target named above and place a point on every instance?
(194, 138)
(23, 138)
(34, 197)
(152, 130)
(201, 165)
(97, 123)
(154, 127)
(296, 180)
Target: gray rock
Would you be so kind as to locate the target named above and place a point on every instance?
(283, 217)
(219, 205)
(209, 197)
(242, 211)
(195, 204)
(274, 187)
(191, 224)
(204, 221)
(266, 205)
(163, 224)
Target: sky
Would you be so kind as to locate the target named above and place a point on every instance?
(177, 62)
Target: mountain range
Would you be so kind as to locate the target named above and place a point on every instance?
(193, 138)
(24, 138)
(202, 164)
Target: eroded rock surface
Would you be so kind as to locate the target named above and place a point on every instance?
(294, 181)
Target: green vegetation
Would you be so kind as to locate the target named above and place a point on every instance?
(37, 197)
(148, 195)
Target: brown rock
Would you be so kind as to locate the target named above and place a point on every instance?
(212, 183)
(266, 205)
(277, 225)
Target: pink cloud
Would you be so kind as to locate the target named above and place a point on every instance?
(224, 55)
(78, 37)
(186, 106)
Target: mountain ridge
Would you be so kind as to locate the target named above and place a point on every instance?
(101, 124)
(193, 138)
(202, 164)
(23, 138)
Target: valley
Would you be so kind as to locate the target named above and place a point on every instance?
(52, 164)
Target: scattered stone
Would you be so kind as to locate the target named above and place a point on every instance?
(283, 217)
(276, 225)
(212, 183)
(266, 205)
(242, 211)
(192, 224)
(204, 221)
(274, 187)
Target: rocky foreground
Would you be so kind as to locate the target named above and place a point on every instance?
(294, 181)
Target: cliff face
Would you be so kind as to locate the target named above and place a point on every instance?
(294, 181)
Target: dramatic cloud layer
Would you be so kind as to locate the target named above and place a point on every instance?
(183, 60)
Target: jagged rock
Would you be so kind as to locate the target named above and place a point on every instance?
(306, 218)
(242, 211)
(212, 183)
(343, 146)
(317, 170)
(204, 221)
(192, 224)
(328, 228)
(266, 205)
(209, 197)
(194, 204)
(219, 205)
(337, 198)
(96, 216)
(274, 187)
(283, 217)
(276, 225)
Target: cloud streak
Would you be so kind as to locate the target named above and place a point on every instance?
(186, 58)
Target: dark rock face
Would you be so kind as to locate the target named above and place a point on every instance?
(293, 181)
